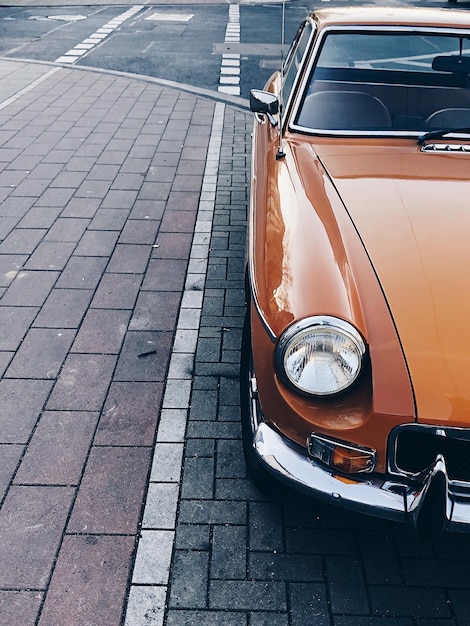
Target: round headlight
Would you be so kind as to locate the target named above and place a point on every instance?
(320, 355)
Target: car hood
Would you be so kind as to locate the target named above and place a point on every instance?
(412, 212)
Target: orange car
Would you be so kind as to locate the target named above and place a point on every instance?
(356, 349)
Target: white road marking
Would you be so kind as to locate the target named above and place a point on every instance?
(170, 17)
(229, 81)
(32, 85)
(79, 50)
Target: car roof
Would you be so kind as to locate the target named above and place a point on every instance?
(391, 16)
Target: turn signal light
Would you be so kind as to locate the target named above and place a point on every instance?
(341, 456)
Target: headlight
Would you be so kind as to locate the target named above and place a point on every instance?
(320, 355)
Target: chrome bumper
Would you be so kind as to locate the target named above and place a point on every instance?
(426, 502)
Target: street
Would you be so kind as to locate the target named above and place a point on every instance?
(177, 42)
(125, 145)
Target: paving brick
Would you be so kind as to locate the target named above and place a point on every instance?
(102, 331)
(204, 405)
(281, 566)
(166, 465)
(10, 455)
(31, 527)
(172, 425)
(40, 217)
(82, 383)
(165, 275)
(91, 567)
(55, 197)
(82, 272)
(320, 541)
(22, 402)
(346, 585)
(230, 462)
(119, 199)
(156, 310)
(266, 531)
(229, 555)
(247, 595)
(97, 243)
(212, 512)
(111, 492)
(181, 617)
(139, 231)
(109, 219)
(364, 620)
(10, 265)
(19, 608)
(14, 322)
(268, 619)
(146, 605)
(130, 414)
(161, 506)
(152, 565)
(181, 219)
(30, 288)
(214, 430)
(81, 208)
(129, 258)
(437, 573)
(193, 537)
(308, 604)
(410, 601)
(63, 436)
(117, 291)
(50, 256)
(41, 354)
(189, 580)
(64, 308)
(144, 357)
(198, 478)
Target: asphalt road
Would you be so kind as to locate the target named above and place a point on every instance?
(186, 44)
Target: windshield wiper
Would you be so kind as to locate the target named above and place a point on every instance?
(438, 134)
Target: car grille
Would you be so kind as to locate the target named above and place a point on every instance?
(416, 449)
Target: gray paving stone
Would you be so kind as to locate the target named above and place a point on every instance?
(189, 580)
(346, 585)
(248, 595)
(198, 478)
(205, 618)
(212, 512)
(229, 557)
(22, 402)
(308, 604)
(14, 322)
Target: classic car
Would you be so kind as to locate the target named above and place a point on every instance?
(355, 368)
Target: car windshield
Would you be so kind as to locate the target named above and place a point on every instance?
(371, 81)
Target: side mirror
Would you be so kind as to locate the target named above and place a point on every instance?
(263, 102)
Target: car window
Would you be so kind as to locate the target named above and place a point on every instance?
(388, 81)
(294, 58)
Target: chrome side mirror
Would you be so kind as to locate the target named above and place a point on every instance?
(263, 102)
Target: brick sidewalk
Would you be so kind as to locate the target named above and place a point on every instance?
(100, 179)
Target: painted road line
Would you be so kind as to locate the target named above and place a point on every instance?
(229, 81)
(32, 85)
(73, 55)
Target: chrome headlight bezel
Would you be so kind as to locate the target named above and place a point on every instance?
(329, 328)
